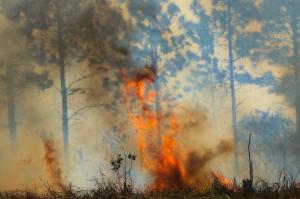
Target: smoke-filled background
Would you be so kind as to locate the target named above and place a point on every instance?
(180, 84)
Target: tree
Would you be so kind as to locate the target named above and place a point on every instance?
(207, 74)
(17, 70)
(264, 125)
(281, 47)
(161, 48)
(230, 18)
(69, 31)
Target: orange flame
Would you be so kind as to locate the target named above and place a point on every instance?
(156, 131)
(52, 164)
(170, 168)
(163, 159)
(224, 182)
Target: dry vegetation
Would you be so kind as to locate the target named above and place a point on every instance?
(263, 189)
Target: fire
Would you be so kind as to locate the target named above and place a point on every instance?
(224, 182)
(156, 133)
(52, 165)
(171, 171)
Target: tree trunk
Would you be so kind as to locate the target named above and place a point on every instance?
(232, 86)
(248, 183)
(10, 94)
(213, 96)
(250, 160)
(295, 63)
(156, 88)
(64, 91)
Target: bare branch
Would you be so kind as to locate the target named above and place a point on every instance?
(84, 109)
(75, 123)
(82, 78)
(237, 59)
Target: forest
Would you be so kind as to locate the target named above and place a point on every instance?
(149, 99)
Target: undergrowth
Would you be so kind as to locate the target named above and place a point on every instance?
(111, 190)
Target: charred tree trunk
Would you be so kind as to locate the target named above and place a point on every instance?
(295, 64)
(64, 91)
(232, 86)
(284, 172)
(248, 183)
(250, 160)
(125, 186)
(10, 94)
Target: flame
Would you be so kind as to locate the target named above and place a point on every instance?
(224, 182)
(171, 171)
(159, 152)
(52, 165)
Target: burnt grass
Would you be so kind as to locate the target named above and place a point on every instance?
(262, 189)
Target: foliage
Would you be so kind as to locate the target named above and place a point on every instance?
(266, 124)
(119, 164)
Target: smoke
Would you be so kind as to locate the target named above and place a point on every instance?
(197, 161)
(97, 59)
(163, 134)
(195, 169)
(102, 128)
(21, 158)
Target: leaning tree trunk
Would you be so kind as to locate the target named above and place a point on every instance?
(10, 94)
(295, 63)
(232, 86)
(64, 91)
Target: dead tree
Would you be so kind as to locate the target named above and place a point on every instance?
(248, 183)
(250, 160)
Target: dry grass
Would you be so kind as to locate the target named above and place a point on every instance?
(263, 189)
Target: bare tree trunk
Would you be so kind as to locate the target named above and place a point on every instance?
(125, 173)
(64, 91)
(295, 64)
(156, 88)
(10, 94)
(213, 97)
(250, 160)
(284, 172)
(232, 86)
(248, 183)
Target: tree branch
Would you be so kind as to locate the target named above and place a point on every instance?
(85, 108)
(81, 78)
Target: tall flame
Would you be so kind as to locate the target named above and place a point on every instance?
(158, 150)
(156, 131)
